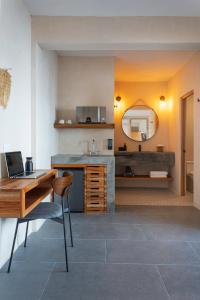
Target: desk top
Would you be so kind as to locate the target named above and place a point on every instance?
(24, 184)
(20, 196)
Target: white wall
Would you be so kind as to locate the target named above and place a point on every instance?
(84, 81)
(15, 120)
(46, 98)
(27, 123)
(187, 79)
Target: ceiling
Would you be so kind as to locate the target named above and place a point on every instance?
(150, 65)
(114, 7)
(141, 66)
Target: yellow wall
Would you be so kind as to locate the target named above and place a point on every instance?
(150, 93)
(189, 129)
(187, 79)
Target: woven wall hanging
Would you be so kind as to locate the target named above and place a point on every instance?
(5, 87)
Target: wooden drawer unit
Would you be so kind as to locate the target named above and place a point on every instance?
(95, 188)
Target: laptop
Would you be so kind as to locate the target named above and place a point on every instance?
(15, 167)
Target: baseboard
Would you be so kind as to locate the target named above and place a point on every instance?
(196, 205)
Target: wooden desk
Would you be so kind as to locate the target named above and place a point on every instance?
(19, 196)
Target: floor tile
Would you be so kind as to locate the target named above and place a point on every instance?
(150, 252)
(108, 231)
(175, 232)
(51, 229)
(150, 209)
(23, 282)
(182, 282)
(28, 266)
(196, 247)
(53, 250)
(105, 282)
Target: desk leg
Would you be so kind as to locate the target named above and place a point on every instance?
(13, 246)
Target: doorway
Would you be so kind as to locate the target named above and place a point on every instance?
(187, 143)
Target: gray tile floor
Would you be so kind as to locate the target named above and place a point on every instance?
(144, 253)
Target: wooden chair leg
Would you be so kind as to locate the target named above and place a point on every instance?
(13, 247)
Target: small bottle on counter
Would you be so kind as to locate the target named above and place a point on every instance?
(29, 164)
(140, 148)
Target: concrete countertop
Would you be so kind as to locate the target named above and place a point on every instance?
(82, 159)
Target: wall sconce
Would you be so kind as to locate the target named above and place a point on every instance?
(117, 104)
(163, 102)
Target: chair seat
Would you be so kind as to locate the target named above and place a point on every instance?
(45, 210)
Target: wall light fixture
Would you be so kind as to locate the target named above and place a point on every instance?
(117, 103)
(163, 102)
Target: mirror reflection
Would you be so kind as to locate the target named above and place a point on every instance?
(140, 123)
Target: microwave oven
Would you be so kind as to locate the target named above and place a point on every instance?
(91, 114)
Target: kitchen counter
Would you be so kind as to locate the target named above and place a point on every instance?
(108, 160)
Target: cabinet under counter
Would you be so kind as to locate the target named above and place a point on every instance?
(99, 179)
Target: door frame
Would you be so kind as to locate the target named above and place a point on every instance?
(183, 114)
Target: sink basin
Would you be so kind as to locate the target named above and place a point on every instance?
(75, 158)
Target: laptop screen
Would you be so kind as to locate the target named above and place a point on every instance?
(14, 163)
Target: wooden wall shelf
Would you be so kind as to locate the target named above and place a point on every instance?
(85, 126)
(143, 178)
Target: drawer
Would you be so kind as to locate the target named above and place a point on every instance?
(96, 208)
(95, 172)
(96, 196)
(95, 190)
(92, 178)
(98, 180)
(92, 201)
(96, 205)
(95, 168)
(95, 184)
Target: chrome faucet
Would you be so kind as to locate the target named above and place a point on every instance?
(92, 148)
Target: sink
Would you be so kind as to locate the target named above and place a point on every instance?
(76, 158)
(79, 157)
(91, 154)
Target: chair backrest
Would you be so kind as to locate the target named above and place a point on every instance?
(61, 184)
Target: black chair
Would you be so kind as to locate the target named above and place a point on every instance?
(50, 210)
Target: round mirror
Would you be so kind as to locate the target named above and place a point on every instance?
(140, 123)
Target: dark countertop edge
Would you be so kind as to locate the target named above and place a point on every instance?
(118, 153)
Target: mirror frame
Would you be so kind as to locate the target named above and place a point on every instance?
(157, 122)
